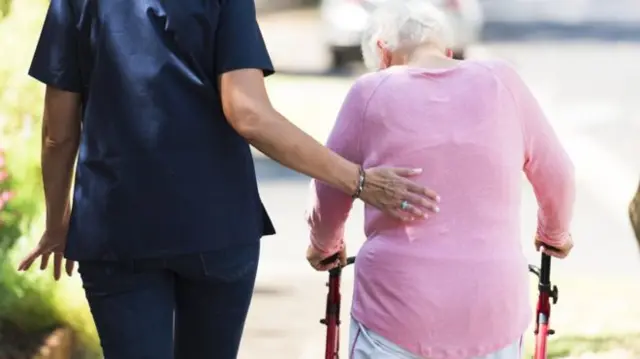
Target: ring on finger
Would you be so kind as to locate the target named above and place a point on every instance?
(404, 205)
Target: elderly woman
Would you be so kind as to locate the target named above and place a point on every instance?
(456, 285)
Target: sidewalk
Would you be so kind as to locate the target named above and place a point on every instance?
(283, 322)
(275, 6)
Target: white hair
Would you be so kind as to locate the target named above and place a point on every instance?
(402, 22)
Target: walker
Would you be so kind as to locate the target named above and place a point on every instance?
(547, 294)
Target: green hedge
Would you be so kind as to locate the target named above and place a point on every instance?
(31, 301)
(5, 6)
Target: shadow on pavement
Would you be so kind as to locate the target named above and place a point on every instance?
(268, 170)
(272, 291)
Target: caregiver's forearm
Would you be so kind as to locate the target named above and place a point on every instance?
(248, 109)
(60, 139)
(57, 173)
(287, 144)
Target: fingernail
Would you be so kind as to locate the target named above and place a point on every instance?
(436, 209)
(438, 199)
(417, 170)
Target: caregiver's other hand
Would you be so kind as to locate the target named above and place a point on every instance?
(387, 188)
(556, 251)
(317, 259)
(51, 243)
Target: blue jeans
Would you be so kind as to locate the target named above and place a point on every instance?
(183, 307)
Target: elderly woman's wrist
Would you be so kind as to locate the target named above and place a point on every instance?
(326, 247)
(555, 239)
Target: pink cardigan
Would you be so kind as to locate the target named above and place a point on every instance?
(454, 285)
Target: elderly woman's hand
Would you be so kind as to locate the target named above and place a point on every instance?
(557, 251)
(319, 260)
(389, 190)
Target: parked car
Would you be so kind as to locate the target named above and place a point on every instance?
(344, 21)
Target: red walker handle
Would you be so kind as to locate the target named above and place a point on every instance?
(332, 314)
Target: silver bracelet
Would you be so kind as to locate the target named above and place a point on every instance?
(362, 177)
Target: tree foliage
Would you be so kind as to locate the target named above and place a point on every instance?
(5, 6)
(30, 302)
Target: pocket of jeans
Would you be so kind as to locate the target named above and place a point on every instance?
(105, 278)
(231, 264)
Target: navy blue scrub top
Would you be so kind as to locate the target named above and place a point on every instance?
(160, 171)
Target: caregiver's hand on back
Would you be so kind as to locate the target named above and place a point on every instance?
(387, 188)
(249, 111)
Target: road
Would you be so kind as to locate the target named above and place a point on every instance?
(623, 12)
(589, 91)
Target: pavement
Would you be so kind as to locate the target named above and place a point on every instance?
(567, 12)
(589, 91)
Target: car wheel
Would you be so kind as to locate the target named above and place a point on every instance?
(342, 56)
(339, 58)
(459, 54)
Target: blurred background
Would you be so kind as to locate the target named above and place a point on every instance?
(580, 57)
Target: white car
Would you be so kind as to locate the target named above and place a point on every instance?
(344, 21)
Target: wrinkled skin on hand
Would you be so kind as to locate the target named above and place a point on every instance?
(387, 188)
